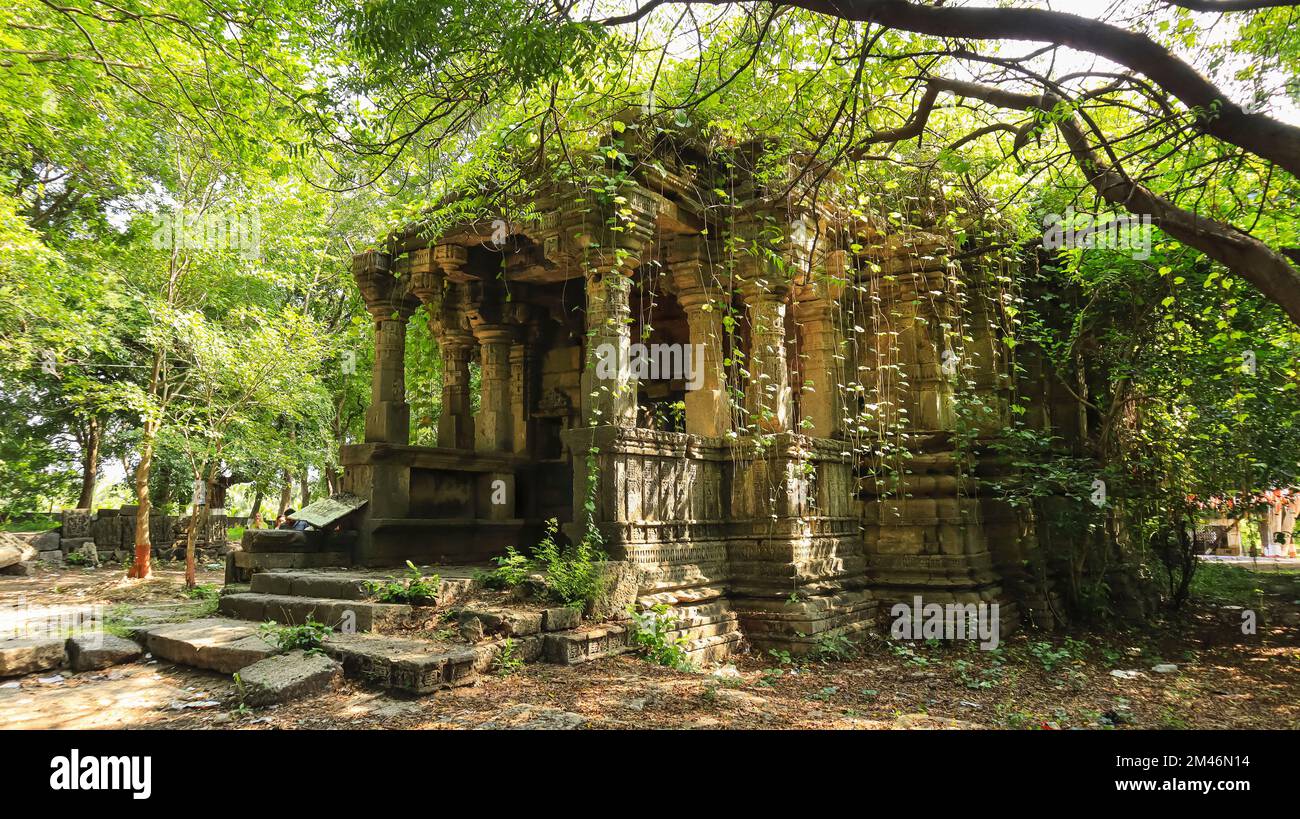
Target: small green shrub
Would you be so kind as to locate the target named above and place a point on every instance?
(511, 570)
(833, 648)
(1050, 656)
(75, 559)
(416, 589)
(651, 630)
(508, 659)
(572, 574)
(309, 636)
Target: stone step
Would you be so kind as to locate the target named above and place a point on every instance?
(286, 677)
(352, 585)
(213, 643)
(412, 666)
(25, 656)
(345, 615)
(581, 645)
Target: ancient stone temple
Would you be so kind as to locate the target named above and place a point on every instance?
(753, 389)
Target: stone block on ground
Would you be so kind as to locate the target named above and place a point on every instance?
(453, 590)
(27, 568)
(504, 622)
(620, 581)
(14, 550)
(45, 541)
(214, 643)
(94, 651)
(274, 540)
(52, 558)
(586, 644)
(359, 614)
(26, 656)
(287, 676)
(76, 523)
(414, 666)
(561, 618)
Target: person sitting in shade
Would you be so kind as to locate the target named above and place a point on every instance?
(290, 523)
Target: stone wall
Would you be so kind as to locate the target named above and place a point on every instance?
(108, 535)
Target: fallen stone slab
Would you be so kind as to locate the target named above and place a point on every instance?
(25, 568)
(360, 615)
(214, 643)
(94, 651)
(586, 644)
(42, 541)
(14, 550)
(287, 677)
(504, 622)
(561, 618)
(414, 666)
(19, 657)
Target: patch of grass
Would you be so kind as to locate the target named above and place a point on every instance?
(203, 591)
(1050, 656)
(117, 619)
(1226, 585)
(35, 525)
(572, 574)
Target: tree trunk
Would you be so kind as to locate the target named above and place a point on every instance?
(286, 494)
(89, 464)
(254, 516)
(196, 520)
(306, 489)
(140, 567)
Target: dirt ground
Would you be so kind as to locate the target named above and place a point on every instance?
(1224, 679)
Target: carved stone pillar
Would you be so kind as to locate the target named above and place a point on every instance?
(707, 412)
(608, 389)
(388, 419)
(456, 424)
(525, 355)
(449, 325)
(495, 423)
(815, 308)
(767, 390)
